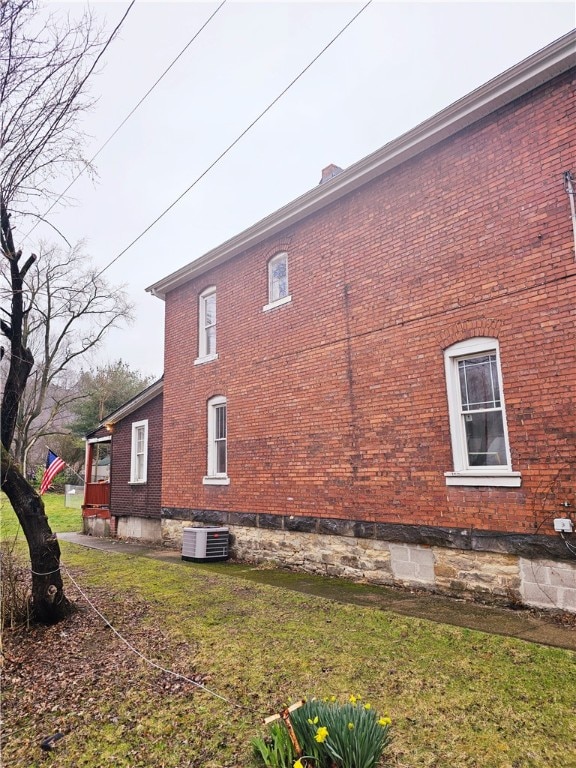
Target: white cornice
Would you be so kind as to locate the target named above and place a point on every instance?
(541, 67)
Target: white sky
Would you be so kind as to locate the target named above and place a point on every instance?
(398, 64)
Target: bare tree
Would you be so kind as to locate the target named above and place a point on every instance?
(70, 308)
(49, 603)
(44, 67)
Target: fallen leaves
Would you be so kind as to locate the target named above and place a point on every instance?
(60, 680)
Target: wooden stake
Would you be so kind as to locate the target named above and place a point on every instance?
(285, 715)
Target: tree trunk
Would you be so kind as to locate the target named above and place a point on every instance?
(49, 603)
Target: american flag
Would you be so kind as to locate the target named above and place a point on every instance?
(54, 464)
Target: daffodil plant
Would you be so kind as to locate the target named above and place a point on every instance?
(276, 750)
(330, 734)
(335, 735)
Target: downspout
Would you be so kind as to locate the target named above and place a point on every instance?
(569, 187)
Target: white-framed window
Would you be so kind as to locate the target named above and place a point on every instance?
(480, 448)
(278, 281)
(217, 472)
(207, 326)
(139, 453)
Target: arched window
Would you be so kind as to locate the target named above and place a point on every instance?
(278, 280)
(480, 448)
(217, 431)
(207, 325)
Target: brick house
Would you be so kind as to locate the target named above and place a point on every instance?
(377, 380)
(125, 500)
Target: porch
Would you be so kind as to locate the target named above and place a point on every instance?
(96, 518)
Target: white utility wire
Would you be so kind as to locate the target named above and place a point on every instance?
(141, 655)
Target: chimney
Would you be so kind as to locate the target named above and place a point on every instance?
(329, 172)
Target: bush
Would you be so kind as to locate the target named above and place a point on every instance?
(15, 589)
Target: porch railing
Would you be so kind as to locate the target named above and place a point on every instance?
(97, 495)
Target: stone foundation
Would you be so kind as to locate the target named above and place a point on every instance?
(487, 576)
(478, 573)
(548, 584)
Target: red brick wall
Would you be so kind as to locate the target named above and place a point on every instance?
(137, 499)
(337, 401)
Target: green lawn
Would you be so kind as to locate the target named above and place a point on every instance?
(457, 698)
(61, 518)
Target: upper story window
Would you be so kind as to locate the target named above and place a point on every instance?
(278, 281)
(480, 448)
(217, 442)
(139, 452)
(207, 326)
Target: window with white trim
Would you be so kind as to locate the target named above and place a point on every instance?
(217, 442)
(139, 452)
(207, 326)
(480, 448)
(278, 281)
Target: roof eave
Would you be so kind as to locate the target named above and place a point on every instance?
(132, 405)
(541, 67)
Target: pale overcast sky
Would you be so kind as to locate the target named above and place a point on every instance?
(396, 65)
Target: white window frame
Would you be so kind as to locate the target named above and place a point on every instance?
(276, 302)
(134, 453)
(204, 356)
(213, 477)
(463, 474)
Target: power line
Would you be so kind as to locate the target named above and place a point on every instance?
(133, 110)
(236, 140)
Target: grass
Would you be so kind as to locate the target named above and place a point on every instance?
(61, 518)
(456, 697)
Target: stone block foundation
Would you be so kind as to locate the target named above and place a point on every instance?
(548, 584)
(487, 576)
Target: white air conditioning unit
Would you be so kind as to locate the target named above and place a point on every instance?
(202, 545)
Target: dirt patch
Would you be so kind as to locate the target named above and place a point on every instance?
(60, 679)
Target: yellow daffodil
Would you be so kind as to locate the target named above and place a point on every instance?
(350, 726)
(298, 764)
(384, 721)
(367, 706)
(321, 734)
(353, 699)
